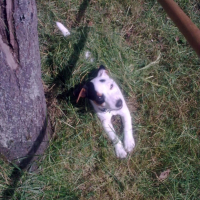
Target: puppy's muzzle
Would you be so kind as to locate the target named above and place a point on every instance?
(119, 103)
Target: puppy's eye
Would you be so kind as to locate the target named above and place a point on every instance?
(111, 86)
(100, 99)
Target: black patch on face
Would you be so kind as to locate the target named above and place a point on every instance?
(100, 99)
(92, 94)
(101, 67)
(102, 80)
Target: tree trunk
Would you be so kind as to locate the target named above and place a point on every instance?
(23, 114)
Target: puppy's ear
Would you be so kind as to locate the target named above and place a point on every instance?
(82, 93)
(102, 67)
(102, 71)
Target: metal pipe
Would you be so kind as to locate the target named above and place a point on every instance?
(183, 22)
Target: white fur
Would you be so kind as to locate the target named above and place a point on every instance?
(63, 29)
(108, 109)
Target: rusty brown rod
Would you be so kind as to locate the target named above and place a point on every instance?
(183, 22)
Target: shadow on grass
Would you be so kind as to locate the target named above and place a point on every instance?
(62, 76)
(81, 11)
(65, 74)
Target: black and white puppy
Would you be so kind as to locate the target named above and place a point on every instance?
(107, 100)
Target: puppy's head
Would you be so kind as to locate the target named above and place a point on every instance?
(103, 91)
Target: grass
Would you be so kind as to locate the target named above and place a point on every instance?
(159, 75)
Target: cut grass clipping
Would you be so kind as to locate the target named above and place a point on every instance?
(158, 73)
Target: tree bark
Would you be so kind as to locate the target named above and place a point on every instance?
(23, 113)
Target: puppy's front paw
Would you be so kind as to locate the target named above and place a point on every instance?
(129, 145)
(120, 151)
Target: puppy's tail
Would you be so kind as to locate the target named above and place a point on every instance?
(63, 29)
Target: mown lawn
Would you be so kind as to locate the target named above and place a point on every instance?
(159, 75)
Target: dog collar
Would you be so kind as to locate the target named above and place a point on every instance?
(103, 109)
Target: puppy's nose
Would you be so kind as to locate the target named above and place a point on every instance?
(119, 103)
